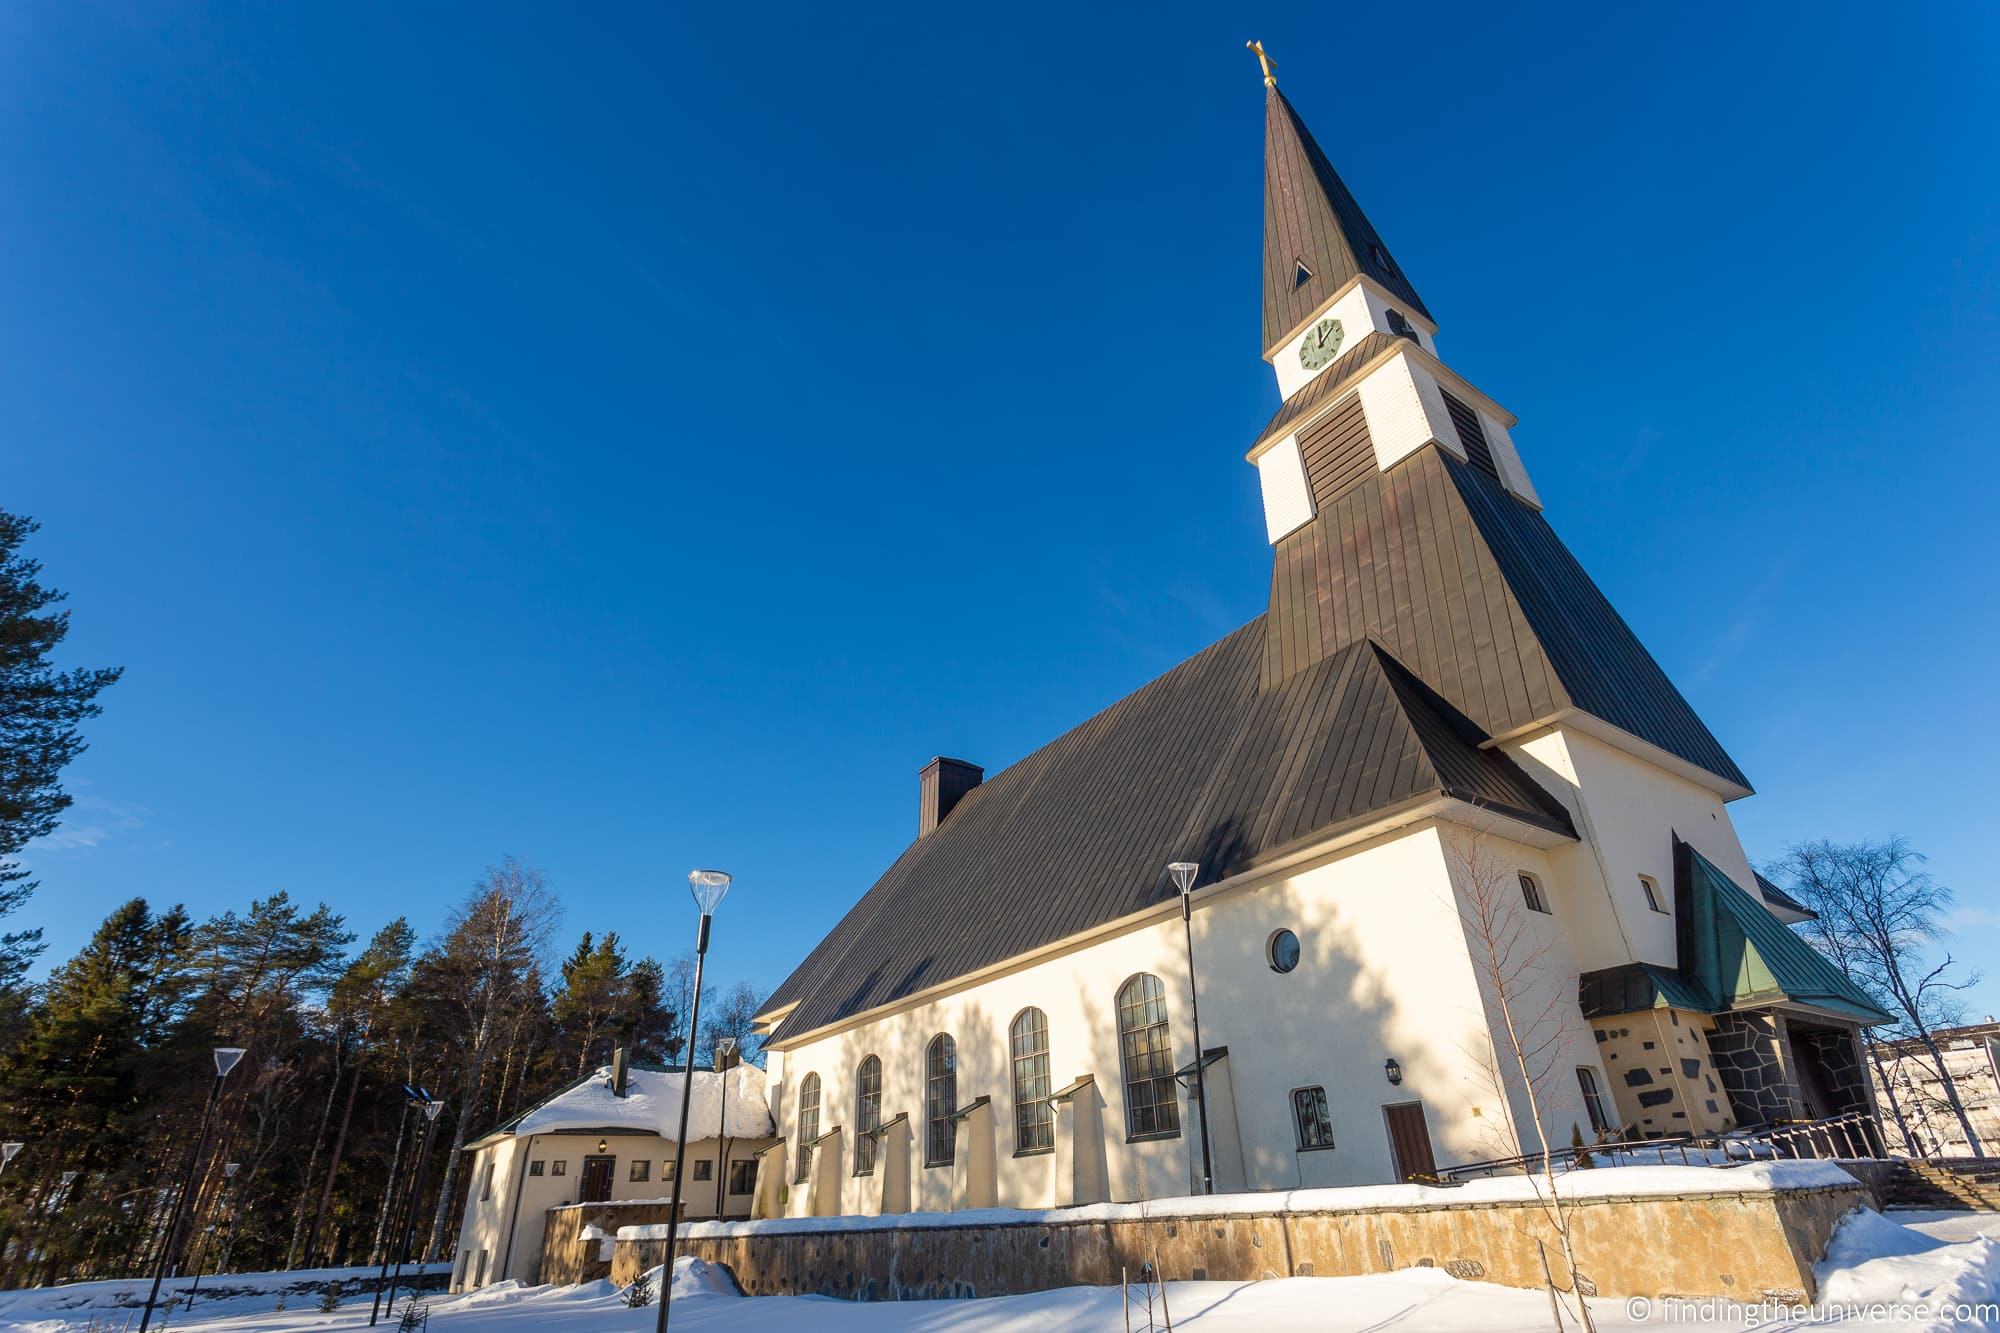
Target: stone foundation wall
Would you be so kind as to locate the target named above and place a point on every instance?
(1747, 1245)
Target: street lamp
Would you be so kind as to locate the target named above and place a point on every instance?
(1184, 873)
(708, 887)
(226, 1058)
(229, 1170)
(430, 1109)
(52, 1203)
(725, 1052)
(400, 1204)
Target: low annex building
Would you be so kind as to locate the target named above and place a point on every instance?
(1438, 706)
(609, 1138)
(1914, 1104)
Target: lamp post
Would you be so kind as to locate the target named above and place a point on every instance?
(51, 1204)
(725, 1052)
(430, 1109)
(1184, 873)
(229, 1170)
(708, 887)
(399, 1199)
(226, 1058)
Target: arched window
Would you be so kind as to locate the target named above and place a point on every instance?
(808, 1123)
(940, 1100)
(1034, 1118)
(1146, 1049)
(867, 1114)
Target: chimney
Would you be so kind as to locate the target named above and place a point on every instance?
(944, 783)
(620, 1067)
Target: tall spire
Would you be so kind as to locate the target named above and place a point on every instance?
(1316, 238)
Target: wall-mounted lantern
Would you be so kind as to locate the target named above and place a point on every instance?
(1394, 1071)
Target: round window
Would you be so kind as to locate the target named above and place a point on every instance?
(1283, 951)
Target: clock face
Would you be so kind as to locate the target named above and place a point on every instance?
(1321, 345)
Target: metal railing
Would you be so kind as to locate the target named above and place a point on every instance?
(1852, 1136)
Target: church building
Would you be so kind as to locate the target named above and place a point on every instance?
(1440, 720)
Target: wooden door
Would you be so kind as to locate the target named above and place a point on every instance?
(1409, 1140)
(596, 1184)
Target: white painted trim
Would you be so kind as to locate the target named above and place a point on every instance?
(1590, 724)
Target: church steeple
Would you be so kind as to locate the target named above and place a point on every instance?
(1316, 238)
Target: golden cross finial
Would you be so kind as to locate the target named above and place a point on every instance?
(1270, 79)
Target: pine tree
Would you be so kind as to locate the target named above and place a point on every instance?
(41, 709)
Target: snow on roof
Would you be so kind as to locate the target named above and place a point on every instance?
(652, 1105)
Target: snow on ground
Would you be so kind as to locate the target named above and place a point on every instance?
(652, 1102)
(1896, 1277)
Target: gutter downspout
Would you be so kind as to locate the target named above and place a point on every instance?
(514, 1218)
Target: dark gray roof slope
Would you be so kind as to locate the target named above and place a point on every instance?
(1201, 764)
(1310, 218)
(1475, 593)
(1603, 666)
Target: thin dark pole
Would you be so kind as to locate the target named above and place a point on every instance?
(180, 1202)
(1200, 1059)
(410, 1213)
(721, 1150)
(681, 1138)
(395, 1217)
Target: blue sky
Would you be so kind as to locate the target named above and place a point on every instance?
(641, 437)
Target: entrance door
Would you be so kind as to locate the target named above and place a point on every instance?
(596, 1184)
(1409, 1140)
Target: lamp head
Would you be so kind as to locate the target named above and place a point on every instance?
(226, 1058)
(10, 1150)
(1184, 873)
(229, 1170)
(1393, 1069)
(709, 888)
(431, 1110)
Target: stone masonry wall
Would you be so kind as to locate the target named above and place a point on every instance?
(1753, 1060)
(1747, 1245)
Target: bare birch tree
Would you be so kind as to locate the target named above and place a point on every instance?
(479, 976)
(1877, 912)
(1529, 1012)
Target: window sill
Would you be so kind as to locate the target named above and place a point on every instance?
(933, 1166)
(1034, 1152)
(1158, 1136)
(1317, 1147)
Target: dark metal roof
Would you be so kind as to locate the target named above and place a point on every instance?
(1201, 764)
(1311, 219)
(1475, 593)
(1604, 668)
(1777, 897)
(1335, 380)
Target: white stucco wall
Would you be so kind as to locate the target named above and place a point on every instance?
(1385, 973)
(1627, 810)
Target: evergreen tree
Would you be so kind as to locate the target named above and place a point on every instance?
(41, 709)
